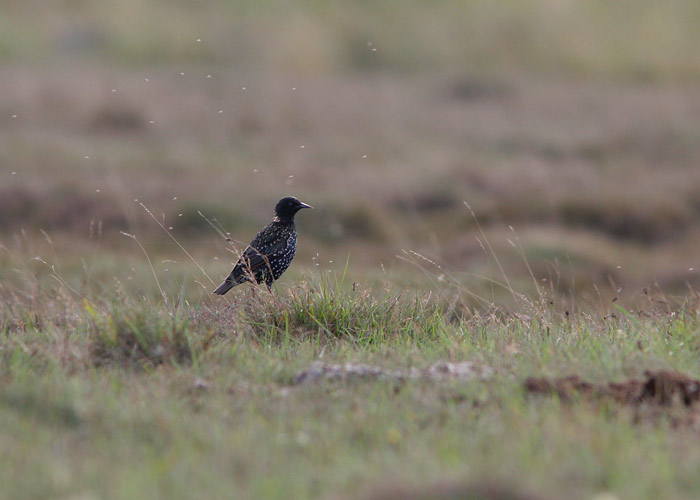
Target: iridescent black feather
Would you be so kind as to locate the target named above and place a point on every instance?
(270, 252)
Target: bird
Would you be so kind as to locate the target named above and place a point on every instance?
(270, 252)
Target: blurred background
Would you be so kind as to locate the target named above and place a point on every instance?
(473, 145)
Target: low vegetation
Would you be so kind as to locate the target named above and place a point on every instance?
(495, 296)
(303, 392)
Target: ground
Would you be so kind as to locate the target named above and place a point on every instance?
(494, 296)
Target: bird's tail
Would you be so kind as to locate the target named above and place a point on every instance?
(225, 287)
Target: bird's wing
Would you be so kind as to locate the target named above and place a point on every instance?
(270, 240)
(252, 260)
(256, 256)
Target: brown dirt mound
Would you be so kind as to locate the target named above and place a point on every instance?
(661, 388)
(664, 388)
(447, 490)
(659, 393)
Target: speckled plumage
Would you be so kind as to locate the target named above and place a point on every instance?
(270, 252)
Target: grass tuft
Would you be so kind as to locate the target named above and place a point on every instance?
(323, 311)
(139, 337)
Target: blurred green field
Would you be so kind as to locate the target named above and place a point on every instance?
(571, 127)
(514, 186)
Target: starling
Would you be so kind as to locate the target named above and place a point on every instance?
(270, 252)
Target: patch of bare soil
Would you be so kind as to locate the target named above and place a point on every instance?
(660, 392)
(447, 490)
(357, 371)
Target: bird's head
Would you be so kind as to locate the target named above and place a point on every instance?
(287, 207)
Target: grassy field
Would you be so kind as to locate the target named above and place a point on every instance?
(325, 390)
(494, 297)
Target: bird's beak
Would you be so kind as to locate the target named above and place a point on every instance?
(304, 205)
